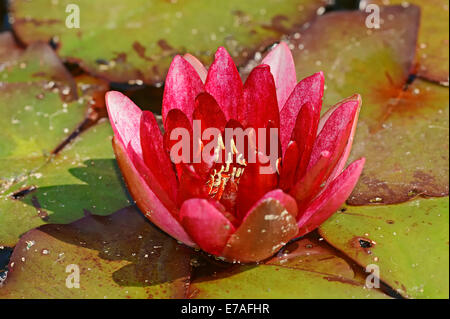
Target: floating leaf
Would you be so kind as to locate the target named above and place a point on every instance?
(433, 50)
(160, 30)
(408, 155)
(119, 256)
(403, 129)
(408, 242)
(39, 183)
(310, 254)
(82, 177)
(270, 281)
(35, 114)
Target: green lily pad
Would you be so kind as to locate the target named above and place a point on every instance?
(271, 281)
(433, 49)
(403, 129)
(408, 242)
(160, 29)
(309, 253)
(42, 179)
(306, 268)
(82, 177)
(35, 113)
(408, 155)
(119, 256)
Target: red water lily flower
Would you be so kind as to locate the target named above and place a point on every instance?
(237, 212)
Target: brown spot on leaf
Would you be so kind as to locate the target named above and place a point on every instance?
(164, 45)
(277, 25)
(140, 50)
(37, 22)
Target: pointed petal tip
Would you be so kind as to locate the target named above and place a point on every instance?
(221, 51)
(281, 49)
(112, 98)
(361, 161)
(355, 97)
(283, 45)
(183, 84)
(321, 75)
(177, 58)
(262, 67)
(197, 65)
(124, 117)
(112, 94)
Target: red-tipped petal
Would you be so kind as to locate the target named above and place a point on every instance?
(224, 84)
(326, 115)
(146, 199)
(149, 177)
(182, 86)
(191, 184)
(304, 134)
(260, 99)
(331, 198)
(267, 227)
(197, 65)
(308, 90)
(125, 119)
(335, 133)
(254, 184)
(155, 155)
(209, 113)
(343, 160)
(309, 186)
(209, 228)
(289, 166)
(282, 67)
(177, 120)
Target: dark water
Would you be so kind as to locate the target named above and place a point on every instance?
(5, 253)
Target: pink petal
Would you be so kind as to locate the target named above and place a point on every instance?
(224, 84)
(197, 65)
(310, 184)
(343, 160)
(335, 133)
(176, 119)
(308, 90)
(304, 134)
(267, 227)
(282, 67)
(125, 119)
(209, 113)
(331, 198)
(191, 184)
(182, 86)
(155, 155)
(286, 200)
(253, 185)
(260, 99)
(326, 115)
(149, 177)
(289, 166)
(209, 228)
(146, 199)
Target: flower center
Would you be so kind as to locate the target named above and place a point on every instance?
(227, 174)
